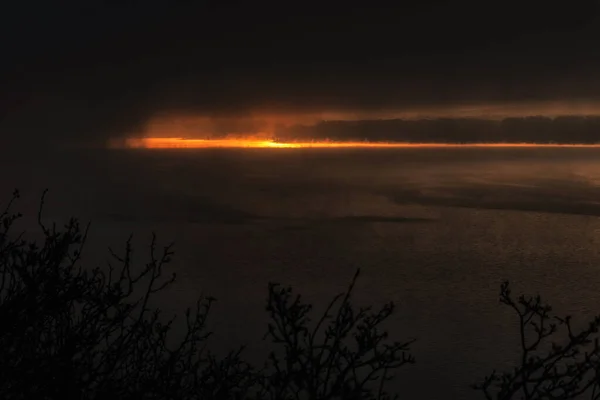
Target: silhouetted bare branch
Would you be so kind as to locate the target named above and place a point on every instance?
(549, 366)
(350, 358)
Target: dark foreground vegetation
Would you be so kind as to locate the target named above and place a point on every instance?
(69, 331)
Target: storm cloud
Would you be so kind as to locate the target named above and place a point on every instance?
(543, 130)
(104, 69)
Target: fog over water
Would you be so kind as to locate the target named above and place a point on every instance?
(435, 230)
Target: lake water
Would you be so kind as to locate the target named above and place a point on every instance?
(434, 230)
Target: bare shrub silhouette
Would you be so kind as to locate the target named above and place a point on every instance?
(71, 332)
(344, 355)
(556, 362)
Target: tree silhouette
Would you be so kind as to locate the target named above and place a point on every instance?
(73, 332)
(556, 362)
(340, 357)
(67, 331)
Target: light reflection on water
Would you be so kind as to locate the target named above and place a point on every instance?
(242, 218)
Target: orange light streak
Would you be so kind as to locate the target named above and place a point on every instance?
(182, 143)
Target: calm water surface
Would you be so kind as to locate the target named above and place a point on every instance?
(434, 230)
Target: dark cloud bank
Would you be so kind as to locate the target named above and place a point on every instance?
(584, 130)
(91, 70)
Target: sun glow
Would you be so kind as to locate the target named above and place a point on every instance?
(183, 143)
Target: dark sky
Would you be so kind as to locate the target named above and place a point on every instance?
(106, 67)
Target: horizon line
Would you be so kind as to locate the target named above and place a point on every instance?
(188, 143)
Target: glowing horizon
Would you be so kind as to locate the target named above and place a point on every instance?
(183, 143)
